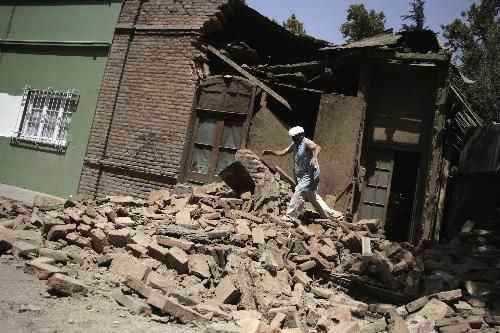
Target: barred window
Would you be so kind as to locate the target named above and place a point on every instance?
(46, 115)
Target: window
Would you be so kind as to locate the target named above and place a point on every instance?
(46, 115)
(216, 140)
(223, 107)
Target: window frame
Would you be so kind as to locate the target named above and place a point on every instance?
(45, 111)
(222, 118)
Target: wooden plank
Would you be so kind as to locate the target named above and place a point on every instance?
(249, 76)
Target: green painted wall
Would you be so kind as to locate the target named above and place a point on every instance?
(59, 67)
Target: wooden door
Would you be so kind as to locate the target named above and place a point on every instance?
(379, 164)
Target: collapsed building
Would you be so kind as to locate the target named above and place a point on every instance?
(188, 83)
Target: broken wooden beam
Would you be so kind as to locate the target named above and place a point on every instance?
(249, 76)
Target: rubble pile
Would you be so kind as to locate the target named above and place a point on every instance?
(228, 263)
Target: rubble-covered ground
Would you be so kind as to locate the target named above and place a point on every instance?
(203, 259)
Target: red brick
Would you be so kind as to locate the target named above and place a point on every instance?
(66, 285)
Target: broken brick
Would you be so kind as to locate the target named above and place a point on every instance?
(41, 270)
(226, 292)
(60, 231)
(24, 249)
(198, 266)
(177, 259)
(258, 235)
(171, 306)
(138, 286)
(125, 265)
(66, 285)
(120, 237)
(158, 252)
(99, 240)
(133, 305)
(174, 242)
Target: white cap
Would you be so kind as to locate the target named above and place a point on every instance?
(295, 130)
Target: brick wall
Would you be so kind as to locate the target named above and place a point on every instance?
(145, 102)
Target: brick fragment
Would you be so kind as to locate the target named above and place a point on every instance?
(449, 296)
(302, 278)
(226, 292)
(24, 249)
(137, 250)
(60, 231)
(124, 221)
(171, 306)
(133, 305)
(158, 252)
(99, 240)
(459, 328)
(322, 292)
(125, 265)
(258, 235)
(198, 266)
(75, 239)
(417, 304)
(41, 270)
(224, 328)
(177, 259)
(307, 265)
(120, 237)
(138, 287)
(175, 242)
(345, 327)
(66, 285)
(328, 253)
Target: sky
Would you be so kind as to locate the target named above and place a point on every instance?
(322, 18)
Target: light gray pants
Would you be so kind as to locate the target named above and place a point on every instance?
(297, 204)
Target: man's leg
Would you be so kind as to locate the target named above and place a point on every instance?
(296, 204)
(319, 205)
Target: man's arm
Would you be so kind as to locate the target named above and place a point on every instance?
(285, 151)
(316, 149)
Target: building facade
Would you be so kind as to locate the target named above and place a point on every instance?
(52, 59)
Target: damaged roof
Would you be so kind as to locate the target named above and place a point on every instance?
(424, 41)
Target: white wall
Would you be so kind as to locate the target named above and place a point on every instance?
(9, 110)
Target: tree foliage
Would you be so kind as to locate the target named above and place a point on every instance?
(361, 23)
(416, 15)
(474, 39)
(294, 26)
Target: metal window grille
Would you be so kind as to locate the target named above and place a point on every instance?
(46, 116)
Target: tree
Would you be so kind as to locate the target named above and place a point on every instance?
(416, 15)
(474, 40)
(294, 26)
(361, 23)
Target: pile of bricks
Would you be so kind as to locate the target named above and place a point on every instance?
(231, 264)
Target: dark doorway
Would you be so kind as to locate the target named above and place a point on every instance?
(402, 195)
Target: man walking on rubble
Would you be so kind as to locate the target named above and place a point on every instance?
(306, 168)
